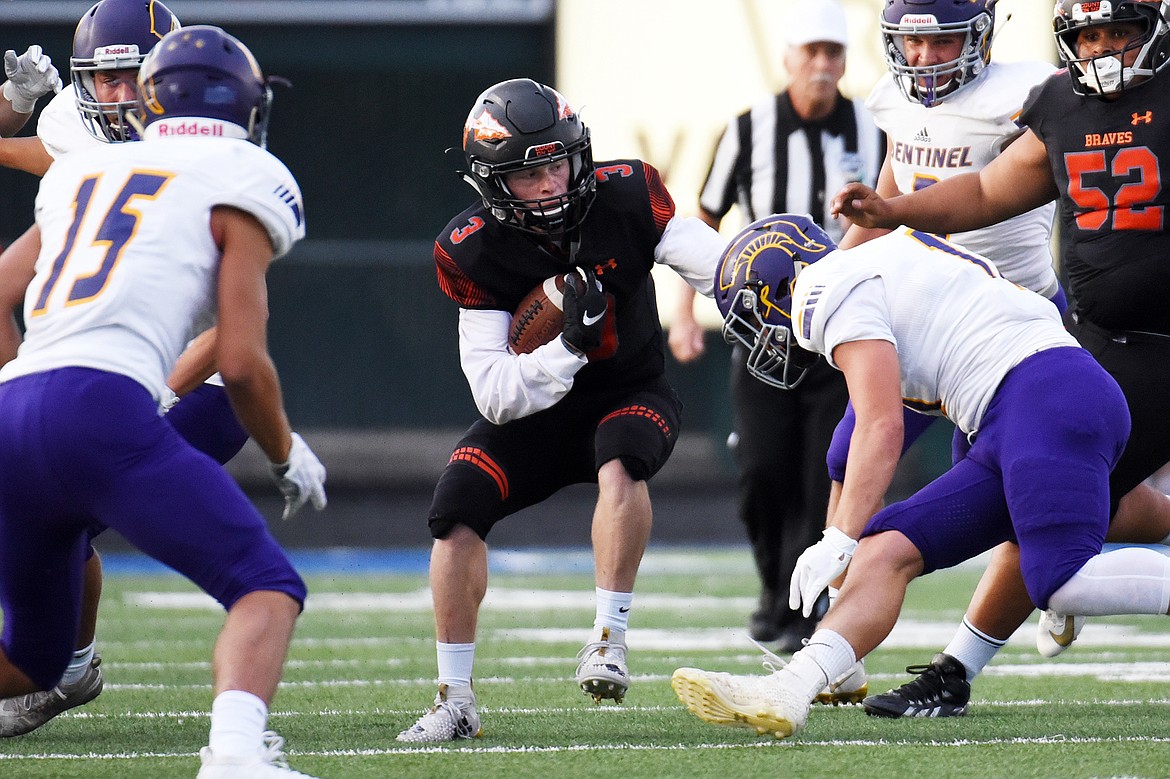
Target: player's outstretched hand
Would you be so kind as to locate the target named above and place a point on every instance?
(862, 206)
(585, 306)
(300, 479)
(817, 567)
(30, 75)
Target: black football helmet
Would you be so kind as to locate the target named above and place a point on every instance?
(753, 289)
(114, 35)
(1105, 74)
(519, 124)
(931, 84)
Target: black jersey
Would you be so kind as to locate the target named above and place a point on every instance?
(1107, 157)
(482, 264)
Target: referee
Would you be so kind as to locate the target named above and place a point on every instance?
(784, 155)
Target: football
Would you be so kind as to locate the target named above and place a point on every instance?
(539, 318)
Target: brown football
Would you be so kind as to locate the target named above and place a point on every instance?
(539, 318)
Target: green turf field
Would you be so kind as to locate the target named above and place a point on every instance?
(362, 667)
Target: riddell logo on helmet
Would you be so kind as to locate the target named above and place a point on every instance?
(190, 128)
(917, 19)
(113, 52)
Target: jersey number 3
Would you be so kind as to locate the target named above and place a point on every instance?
(115, 232)
(1132, 206)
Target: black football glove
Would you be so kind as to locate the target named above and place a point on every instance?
(585, 307)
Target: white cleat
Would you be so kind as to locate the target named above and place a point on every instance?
(761, 703)
(453, 716)
(1056, 632)
(269, 764)
(25, 713)
(602, 671)
(850, 688)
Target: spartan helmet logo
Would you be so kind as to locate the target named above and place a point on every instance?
(754, 286)
(767, 258)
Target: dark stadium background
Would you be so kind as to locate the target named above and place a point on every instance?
(364, 340)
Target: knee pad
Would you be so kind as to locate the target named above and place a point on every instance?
(467, 494)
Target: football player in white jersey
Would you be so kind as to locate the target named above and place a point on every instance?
(138, 242)
(909, 315)
(948, 110)
(109, 44)
(29, 76)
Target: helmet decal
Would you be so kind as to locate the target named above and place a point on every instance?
(753, 288)
(486, 128)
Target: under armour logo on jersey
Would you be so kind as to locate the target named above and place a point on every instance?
(922, 136)
(610, 264)
(290, 199)
(1145, 118)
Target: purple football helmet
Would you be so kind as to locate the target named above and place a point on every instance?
(114, 35)
(753, 288)
(520, 124)
(1104, 74)
(931, 84)
(201, 71)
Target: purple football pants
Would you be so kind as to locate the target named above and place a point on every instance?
(206, 419)
(79, 446)
(1037, 473)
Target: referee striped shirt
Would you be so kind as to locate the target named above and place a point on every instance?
(771, 161)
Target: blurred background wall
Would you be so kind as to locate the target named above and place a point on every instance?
(364, 340)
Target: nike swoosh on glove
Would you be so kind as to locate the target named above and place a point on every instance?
(817, 567)
(585, 306)
(301, 479)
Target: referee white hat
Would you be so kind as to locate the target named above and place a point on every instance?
(823, 20)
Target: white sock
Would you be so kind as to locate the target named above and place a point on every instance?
(78, 665)
(1130, 580)
(613, 609)
(973, 648)
(455, 663)
(238, 719)
(827, 655)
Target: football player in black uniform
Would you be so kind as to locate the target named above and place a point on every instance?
(592, 405)
(1097, 142)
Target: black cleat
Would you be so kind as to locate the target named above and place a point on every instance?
(941, 690)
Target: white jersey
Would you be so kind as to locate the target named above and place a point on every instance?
(128, 264)
(958, 326)
(961, 135)
(60, 128)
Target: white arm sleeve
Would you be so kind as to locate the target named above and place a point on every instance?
(509, 386)
(692, 248)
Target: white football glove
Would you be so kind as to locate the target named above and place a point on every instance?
(167, 401)
(30, 75)
(817, 567)
(300, 479)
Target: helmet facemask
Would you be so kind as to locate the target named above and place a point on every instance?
(553, 216)
(1105, 73)
(105, 120)
(774, 357)
(931, 84)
